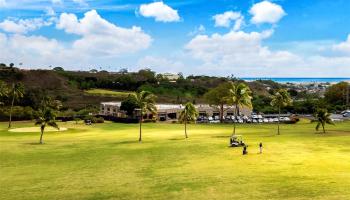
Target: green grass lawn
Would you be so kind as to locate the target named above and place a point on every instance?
(105, 161)
(102, 92)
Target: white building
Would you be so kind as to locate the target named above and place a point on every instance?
(171, 111)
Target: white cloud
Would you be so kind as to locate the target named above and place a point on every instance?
(2, 3)
(266, 12)
(224, 19)
(343, 48)
(160, 11)
(99, 42)
(102, 37)
(23, 25)
(197, 30)
(161, 64)
(50, 11)
(243, 54)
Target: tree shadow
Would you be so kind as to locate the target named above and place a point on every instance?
(128, 142)
(33, 143)
(177, 139)
(221, 136)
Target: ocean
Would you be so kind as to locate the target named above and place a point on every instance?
(299, 80)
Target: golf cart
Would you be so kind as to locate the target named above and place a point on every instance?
(236, 141)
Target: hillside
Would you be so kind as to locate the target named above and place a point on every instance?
(78, 90)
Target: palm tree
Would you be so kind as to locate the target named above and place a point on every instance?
(146, 103)
(239, 96)
(281, 99)
(322, 118)
(46, 118)
(17, 91)
(3, 90)
(188, 114)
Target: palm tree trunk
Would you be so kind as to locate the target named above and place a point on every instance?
(324, 130)
(41, 136)
(221, 113)
(140, 136)
(186, 128)
(234, 123)
(278, 123)
(13, 101)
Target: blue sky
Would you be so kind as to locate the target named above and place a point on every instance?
(289, 38)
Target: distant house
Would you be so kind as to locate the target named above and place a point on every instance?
(170, 76)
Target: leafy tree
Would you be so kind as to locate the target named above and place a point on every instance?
(239, 96)
(322, 118)
(218, 97)
(58, 69)
(281, 99)
(129, 105)
(337, 93)
(46, 118)
(17, 92)
(146, 103)
(188, 114)
(11, 65)
(3, 90)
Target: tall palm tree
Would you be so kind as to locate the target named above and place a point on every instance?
(146, 103)
(281, 99)
(322, 118)
(188, 114)
(46, 118)
(17, 92)
(240, 96)
(3, 90)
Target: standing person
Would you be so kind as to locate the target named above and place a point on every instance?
(245, 150)
(260, 147)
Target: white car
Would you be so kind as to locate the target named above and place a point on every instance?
(265, 120)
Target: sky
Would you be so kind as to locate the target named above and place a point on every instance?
(243, 38)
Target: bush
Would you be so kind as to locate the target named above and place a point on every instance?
(95, 119)
(98, 120)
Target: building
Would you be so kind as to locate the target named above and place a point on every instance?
(167, 112)
(170, 76)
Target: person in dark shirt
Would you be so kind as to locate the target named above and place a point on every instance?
(260, 147)
(245, 150)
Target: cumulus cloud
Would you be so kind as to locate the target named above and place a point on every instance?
(266, 12)
(343, 48)
(160, 11)
(100, 36)
(224, 19)
(243, 54)
(23, 25)
(98, 41)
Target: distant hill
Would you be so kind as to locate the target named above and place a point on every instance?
(80, 89)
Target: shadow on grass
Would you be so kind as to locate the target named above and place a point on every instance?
(128, 142)
(221, 136)
(33, 143)
(177, 139)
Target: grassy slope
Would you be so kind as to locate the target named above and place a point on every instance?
(103, 92)
(106, 162)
